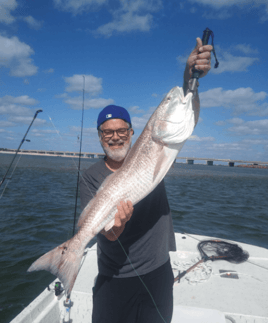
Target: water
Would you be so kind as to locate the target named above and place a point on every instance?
(37, 210)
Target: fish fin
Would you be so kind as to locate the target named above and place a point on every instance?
(109, 225)
(63, 262)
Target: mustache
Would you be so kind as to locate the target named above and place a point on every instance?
(111, 141)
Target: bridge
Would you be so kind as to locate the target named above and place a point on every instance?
(229, 161)
(189, 160)
(52, 153)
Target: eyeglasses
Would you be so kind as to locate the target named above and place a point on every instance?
(108, 133)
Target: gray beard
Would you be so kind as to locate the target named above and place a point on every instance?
(117, 154)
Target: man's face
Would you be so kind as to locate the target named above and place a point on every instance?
(117, 146)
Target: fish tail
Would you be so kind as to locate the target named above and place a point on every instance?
(63, 262)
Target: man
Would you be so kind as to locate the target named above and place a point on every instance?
(135, 280)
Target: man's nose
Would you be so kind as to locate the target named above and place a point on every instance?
(115, 136)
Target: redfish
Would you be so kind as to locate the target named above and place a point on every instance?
(145, 166)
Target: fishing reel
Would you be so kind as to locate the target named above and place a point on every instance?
(58, 289)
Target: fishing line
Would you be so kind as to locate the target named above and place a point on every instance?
(257, 265)
(139, 276)
(58, 133)
(79, 160)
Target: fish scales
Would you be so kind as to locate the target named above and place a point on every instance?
(144, 167)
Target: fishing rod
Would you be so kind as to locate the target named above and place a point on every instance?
(196, 73)
(79, 160)
(5, 176)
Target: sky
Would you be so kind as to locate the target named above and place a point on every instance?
(131, 53)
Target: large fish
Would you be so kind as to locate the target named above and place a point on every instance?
(146, 164)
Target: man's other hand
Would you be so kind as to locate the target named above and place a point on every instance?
(125, 211)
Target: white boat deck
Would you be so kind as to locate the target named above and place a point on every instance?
(240, 297)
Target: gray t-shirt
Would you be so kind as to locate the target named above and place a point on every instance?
(147, 238)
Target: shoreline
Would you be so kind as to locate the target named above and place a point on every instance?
(100, 155)
(252, 166)
(50, 155)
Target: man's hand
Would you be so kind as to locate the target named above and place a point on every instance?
(125, 211)
(200, 58)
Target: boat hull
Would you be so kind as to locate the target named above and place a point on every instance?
(241, 296)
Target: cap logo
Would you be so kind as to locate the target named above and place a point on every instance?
(108, 116)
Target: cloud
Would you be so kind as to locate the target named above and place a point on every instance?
(32, 22)
(15, 55)
(252, 128)
(229, 60)
(42, 132)
(85, 130)
(236, 121)
(79, 6)
(232, 63)
(219, 15)
(23, 100)
(246, 49)
(76, 103)
(13, 109)
(49, 71)
(127, 15)
(244, 128)
(93, 85)
(26, 120)
(255, 141)
(15, 112)
(14, 106)
(182, 60)
(140, 122)
(227, 146)
(220, 123)
(196, 138)
(5, 7)
(126, 22)
(6, 131)
(241, 100)
(61, 96)
(223, 9)
(132, 15)
(218, 4)
(135, 110)
(6, 124)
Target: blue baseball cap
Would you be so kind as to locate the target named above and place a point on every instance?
(113, 112)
